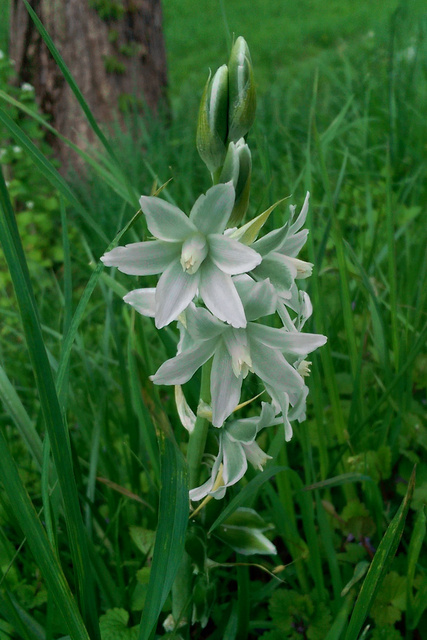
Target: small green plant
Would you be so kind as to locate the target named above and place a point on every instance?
(108, 9)
(114, 65)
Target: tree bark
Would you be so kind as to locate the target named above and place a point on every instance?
(113, 48)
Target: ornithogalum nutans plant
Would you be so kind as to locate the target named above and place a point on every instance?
(234, 293)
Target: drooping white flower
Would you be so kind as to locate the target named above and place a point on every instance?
(279, 249)
(268, 352)
(237, 446)
(192, 254)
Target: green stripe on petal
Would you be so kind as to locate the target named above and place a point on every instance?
(230, 256)
(279, 270)
(165, 221)
(175, 291)
(259, 299)
(212, 210)
(142, 258)
(220, 295)
(202, 325)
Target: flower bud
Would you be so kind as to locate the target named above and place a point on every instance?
(238, 168)
(213, 120)
(242, 97)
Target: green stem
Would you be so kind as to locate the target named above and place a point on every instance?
(197, 440)
(182, 587)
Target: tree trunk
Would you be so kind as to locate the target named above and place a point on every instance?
(113, 48)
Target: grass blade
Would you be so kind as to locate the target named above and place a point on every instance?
(172, 526)
(380, 565)
(22, 420)
(58, 434)
(39, 544)
(49, 171)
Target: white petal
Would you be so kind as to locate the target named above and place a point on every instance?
(143, 300)
(279, 270)
(272, 241)
(202, 325)
(175, 291)
(234, 461)
(244, 430)
(182, 367)
(165, 221)
(259, 299)
(294, 243)
(302, 216)
(256, 456)
(212, 211)
(142, 258)
(201, 492)
(231, 256)
(282, 399)
(220, 296)
(273, 368)
(291, 342)
(225, 387)
(185, 412)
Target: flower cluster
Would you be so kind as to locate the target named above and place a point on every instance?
(220, 281)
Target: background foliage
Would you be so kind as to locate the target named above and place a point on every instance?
(342, 102)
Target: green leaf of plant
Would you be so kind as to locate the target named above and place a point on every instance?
(245, 494)
(114, 626)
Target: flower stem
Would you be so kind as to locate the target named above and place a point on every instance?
(197, 440)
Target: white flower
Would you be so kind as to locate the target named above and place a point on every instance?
(266, 351)
(192, 254)
(16, 149)
(236, 447)
(279, 249)
(29, 204)
(26, 86)
(1, 55)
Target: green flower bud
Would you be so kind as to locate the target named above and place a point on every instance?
(213, 120)
(238, 168)
(242, 97)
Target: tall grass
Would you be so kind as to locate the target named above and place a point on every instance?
(84, 424)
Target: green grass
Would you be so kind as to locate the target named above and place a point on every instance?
(341, 113)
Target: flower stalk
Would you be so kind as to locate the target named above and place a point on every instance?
(220, 283)
(197, 438)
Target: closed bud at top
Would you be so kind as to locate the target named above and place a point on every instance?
(212, 124)
(242, 97)
(238, 168)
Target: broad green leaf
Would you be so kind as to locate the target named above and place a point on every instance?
(114, 626)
